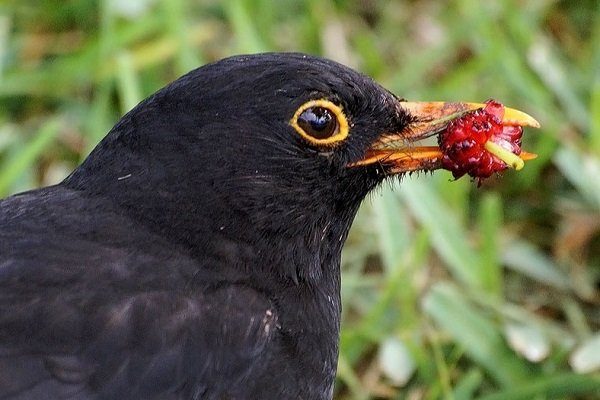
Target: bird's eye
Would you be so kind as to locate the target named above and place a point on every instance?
(318, 122)
(321, 122)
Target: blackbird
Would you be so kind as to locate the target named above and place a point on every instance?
(195, 253)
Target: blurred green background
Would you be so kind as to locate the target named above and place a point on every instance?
(449, 291)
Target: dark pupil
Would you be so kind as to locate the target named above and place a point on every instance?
(317, 122)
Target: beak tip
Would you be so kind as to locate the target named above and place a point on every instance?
(519, 118)
(529, 121)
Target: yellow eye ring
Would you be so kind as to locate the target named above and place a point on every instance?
(321, 123)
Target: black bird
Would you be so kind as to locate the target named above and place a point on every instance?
(195, 254)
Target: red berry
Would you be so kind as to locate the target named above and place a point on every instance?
(463, 142)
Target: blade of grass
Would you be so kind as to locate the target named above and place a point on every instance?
(551, 387)
(249, 40)
(525, 258)
(594, 67)
(562, 77)
(594, 135)
(127, 83)
(449, 239)
(4, 42)
(490, 221)
(443, 374)
(12, 169)
(99, 119)
(346, 374)
(176, 22)
(467, 385)
(582, 170)
(480, 338)
(557, 77)
(393, 229)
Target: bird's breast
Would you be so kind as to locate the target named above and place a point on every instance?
(309, 325)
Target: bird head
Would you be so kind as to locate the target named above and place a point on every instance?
(275, 151)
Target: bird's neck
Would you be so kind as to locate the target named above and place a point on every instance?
(238, 221)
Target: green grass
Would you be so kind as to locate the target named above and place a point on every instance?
(448, 289)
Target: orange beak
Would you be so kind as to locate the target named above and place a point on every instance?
(397, 151)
